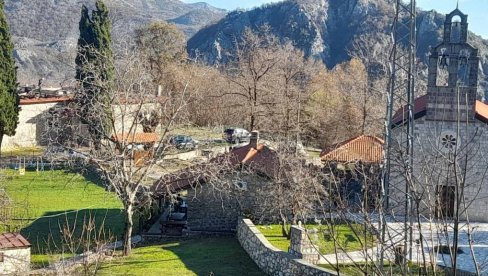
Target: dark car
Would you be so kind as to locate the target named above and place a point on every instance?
(236, 135)
(183, 142)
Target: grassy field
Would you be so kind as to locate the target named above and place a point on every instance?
(202, 256)
(198, 133)
(46, 201)
(23, 151)
(346, 239)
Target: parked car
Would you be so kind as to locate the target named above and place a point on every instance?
(236, 135)
(183, 142)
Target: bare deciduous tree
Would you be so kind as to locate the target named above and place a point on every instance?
(125, 157)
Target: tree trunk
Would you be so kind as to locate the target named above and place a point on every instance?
(1, 140)
(129, 213)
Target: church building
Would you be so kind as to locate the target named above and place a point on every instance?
(450, 158)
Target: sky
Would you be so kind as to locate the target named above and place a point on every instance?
(477, 10)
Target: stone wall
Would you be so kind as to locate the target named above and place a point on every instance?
(15, 261)
(431, 168)
(216, 207)
(211, 210)
(301, 246)
(271, 260)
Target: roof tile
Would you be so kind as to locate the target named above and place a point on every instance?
(363, 148)
(137, 138)
(13, 240)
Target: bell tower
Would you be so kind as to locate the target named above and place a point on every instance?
(453, 73)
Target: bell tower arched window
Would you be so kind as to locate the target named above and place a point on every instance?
(456, 29)
(442, 68)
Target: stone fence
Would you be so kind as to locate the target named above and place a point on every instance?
(273, 261)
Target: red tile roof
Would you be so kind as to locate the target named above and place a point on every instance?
(12, 241)
(27, 101)
(481, 110)
(137, 138)
(420, 108)
(368, 149)
(262, 159)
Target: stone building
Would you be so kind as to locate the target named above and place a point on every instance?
(14, 254)
(242, 182)
(451, 135)
(356, 164)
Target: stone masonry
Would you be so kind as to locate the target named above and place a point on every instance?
(451, 137)
(271, 260)
(301, 246)
(217, 207)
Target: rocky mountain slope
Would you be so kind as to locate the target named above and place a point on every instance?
(326, 29)
(46, 31)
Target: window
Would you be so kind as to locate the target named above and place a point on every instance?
(448, 141)
(456, 32)
(463, 67)
(442, 68)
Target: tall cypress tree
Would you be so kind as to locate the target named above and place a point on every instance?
(94, 70)
(9, 99)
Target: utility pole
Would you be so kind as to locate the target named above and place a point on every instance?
(399, 143)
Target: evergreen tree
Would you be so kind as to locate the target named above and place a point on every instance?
(9, 99)
(94, 70)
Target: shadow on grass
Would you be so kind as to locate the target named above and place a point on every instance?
(214, 256)
(46, 233)
(141, 262)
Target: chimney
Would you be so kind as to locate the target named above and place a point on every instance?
(159, 92)
(253, 141)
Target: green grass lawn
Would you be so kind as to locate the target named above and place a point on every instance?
(47, 200)
(199, 256)
(346, 239)
(367, 269)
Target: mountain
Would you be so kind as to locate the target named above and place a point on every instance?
(45, 32)
(327, 30)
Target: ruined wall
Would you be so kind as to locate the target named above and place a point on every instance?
(271, 260)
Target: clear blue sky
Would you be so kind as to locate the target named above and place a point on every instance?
(476, 9)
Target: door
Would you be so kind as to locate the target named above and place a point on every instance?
(446, 198)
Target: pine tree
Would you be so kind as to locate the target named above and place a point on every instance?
(9, 100)
(94, 70)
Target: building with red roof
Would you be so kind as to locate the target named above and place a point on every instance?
(356, 166)
(241, 181)
(364, 148)
(450, 142)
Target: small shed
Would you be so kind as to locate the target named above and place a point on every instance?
(15, 254)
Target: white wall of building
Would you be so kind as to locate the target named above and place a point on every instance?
(15, 261)
(26, 134)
